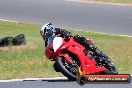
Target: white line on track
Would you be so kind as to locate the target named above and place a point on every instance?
(9, 21)
(35, 79)
(99, 2)
(76, 30)
(104, 33)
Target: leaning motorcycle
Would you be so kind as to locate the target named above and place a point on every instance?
(69, 56)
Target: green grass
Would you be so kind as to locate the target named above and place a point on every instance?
(114, 1)
(29, 61)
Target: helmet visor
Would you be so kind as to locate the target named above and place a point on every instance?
(49, 32)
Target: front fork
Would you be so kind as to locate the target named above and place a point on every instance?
(73, 67)
(67, 58)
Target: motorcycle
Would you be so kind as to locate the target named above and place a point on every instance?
(70, 56)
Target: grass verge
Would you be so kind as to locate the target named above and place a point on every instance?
(29, 61)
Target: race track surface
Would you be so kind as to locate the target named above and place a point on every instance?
(59, 83)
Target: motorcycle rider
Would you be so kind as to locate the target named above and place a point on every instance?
(48, 32)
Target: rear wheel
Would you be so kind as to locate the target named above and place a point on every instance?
(70, 71)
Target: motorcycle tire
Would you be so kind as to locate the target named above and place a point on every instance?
(113, 70)
(56, 67)
(64, 71)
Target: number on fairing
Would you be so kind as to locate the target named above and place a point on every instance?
(57, 42)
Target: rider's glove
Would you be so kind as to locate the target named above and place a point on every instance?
(97, 51)
(67, 35)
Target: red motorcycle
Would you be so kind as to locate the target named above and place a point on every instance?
(69, 56)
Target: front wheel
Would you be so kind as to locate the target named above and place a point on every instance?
(70, 71)
(105, 61)
(111, 70)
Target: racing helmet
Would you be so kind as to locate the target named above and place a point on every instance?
(47, 30)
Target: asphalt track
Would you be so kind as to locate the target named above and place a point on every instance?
(72, 15)
(58, 83)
